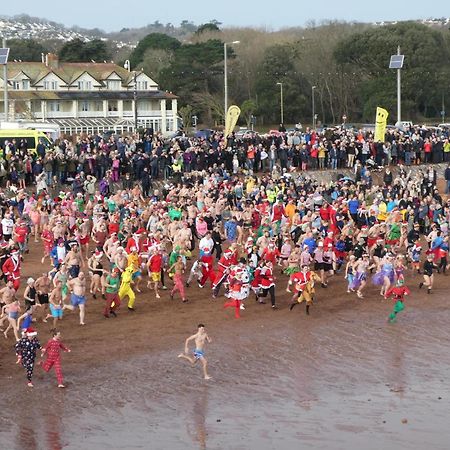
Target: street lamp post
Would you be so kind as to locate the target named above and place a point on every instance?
(4, 57)
(313, 89)
(135, 98)
(281, 103)
(225, 73)
(397, 63)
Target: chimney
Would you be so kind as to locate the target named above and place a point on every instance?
(52, 61)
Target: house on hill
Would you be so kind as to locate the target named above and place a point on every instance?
(87, 97)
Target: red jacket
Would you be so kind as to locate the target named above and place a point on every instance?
(267, 278)
(11, 268)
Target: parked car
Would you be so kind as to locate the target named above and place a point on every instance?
(204, 133)
(245, 134)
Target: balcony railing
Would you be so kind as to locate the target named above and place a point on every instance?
(94, 114)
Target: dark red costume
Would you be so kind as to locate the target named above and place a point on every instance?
(53, 350)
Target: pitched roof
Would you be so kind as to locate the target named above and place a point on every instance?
(69, 72)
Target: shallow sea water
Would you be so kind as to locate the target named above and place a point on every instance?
(351, 383)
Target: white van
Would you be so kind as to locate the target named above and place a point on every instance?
(404, 125)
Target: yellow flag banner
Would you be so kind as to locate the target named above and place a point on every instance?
(231, 120)
(380, 124)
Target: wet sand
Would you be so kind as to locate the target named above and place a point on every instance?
(341, 378)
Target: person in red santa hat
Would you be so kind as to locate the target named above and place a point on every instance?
(228, 259)
(239, 287)
(271, 253)
(26, 349)
(11, 268)
(135, 241)
(298, 281)
(207, 262)
(267, 284)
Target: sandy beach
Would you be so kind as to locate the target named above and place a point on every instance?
(341, 378)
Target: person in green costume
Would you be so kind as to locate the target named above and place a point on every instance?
(398, 292)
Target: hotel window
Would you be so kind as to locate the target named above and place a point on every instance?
(50, 85)
(113, 85)
(142, 85)
(16, 84)
(54, 106)
(25, 84)
(85, 85)
(85, 106)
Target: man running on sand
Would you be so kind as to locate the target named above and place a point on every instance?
(200, 338)
(77, 287)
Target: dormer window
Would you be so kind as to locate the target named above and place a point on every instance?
(50, 85)
(113, 85)
(142, 85)
(85, 85)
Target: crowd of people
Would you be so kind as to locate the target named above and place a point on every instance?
(111, 236)
(148, 156)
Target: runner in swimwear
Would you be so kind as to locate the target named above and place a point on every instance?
(77, 287)
(200, 338)
(12, 311)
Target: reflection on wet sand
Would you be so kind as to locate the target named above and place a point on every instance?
(320, 384)
(197, 430)
(53, 424)
(397, 376)
(26, 435)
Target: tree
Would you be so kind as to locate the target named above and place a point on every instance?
(25, 50)
(72, 51)
(207, 27)
(186, 113)
(79, 51)
(426, 60)
(197, 70)
(248, 107)
(155, 41)
(187, 26)
(278, 67)
(155, 61)
(97, 50)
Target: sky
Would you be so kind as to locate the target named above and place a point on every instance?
(282, 13)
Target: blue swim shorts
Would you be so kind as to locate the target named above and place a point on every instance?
(198, 353)
(56, 312)
(77, 300)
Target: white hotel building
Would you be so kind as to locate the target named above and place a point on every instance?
(86, 97)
